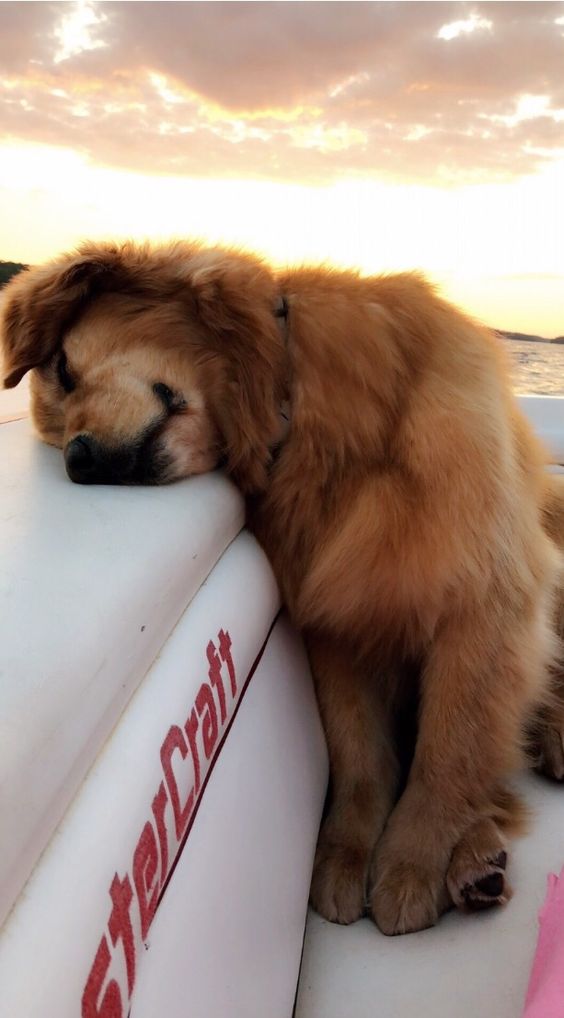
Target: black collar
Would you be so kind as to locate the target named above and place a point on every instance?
(281, 309)
(281, 312)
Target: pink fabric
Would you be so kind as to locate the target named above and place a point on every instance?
(545, 996)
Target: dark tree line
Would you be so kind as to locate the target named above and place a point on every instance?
(9, 269)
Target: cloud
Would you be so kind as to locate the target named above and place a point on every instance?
(27, 33)
(293, 91)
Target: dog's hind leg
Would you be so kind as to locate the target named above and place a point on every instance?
(547, 736)
(478, 685)
(364, 777)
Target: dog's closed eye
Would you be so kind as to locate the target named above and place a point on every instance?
(66, 380)
(171, 400)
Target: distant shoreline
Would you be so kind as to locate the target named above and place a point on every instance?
(524, 337)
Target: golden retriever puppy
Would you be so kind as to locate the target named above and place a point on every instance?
(399, 494)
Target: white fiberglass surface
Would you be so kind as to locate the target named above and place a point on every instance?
(93, 580)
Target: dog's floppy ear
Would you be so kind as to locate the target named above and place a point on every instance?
(40, 303)
(234, 300)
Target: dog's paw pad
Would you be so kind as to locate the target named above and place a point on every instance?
(484, 887)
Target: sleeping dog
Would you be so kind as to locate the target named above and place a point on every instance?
(399, 494)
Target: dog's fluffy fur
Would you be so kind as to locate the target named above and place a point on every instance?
(407, 514)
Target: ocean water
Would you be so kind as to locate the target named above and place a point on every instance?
(537, 367)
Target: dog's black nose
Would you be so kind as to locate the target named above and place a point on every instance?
(81, 459)
(89, 461)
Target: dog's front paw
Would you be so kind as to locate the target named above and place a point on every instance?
(406, 898)
(338, 886)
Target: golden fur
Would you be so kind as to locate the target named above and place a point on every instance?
(407, 515)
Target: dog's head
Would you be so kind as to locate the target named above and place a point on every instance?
(149, 364)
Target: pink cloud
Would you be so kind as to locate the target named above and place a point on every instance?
(309, 91)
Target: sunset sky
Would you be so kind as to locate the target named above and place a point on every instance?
(381, 135)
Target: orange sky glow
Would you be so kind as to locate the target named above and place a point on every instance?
(378, 135)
